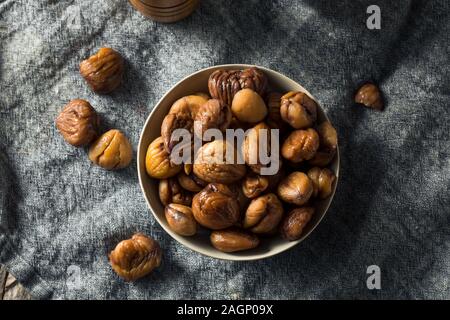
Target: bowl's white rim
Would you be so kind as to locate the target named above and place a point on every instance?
(221, 255)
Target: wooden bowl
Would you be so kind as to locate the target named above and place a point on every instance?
(166, 15)
(198, 82)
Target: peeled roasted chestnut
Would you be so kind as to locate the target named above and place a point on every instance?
(233, 239)
(216, 161)
(136, 257)
(181, 219)
(103, 71)
(172, 122)
(216, 207)
(263, 214)
(298, 109)
(256, 138)
(300, 145)
(295, 221)
(248, 106)
(296, 188)
(191, 182)
(188, 105)
(223, 84)
(78, 122)
(111, 151)
(157, 161)
(328, 145)
(254, 185)
(213, 114)
(171, 192)
(370, 96)
(322, 179)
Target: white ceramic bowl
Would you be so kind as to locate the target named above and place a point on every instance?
(198, 82)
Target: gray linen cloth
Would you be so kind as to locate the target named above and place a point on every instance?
(60, 215)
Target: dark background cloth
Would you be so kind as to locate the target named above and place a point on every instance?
(60, 215)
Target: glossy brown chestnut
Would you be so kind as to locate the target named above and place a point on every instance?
(300, 145)
(78, 123)
(296, 188)
(136, 257)
(181, 219)
(103, 71)
(216, 207)
(233, 240)
(295, 221)
(263, 214)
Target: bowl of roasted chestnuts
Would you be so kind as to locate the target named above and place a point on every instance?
(238, 162)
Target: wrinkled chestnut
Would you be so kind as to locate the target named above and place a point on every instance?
(254, 185)
(78, 123)
(213, 114)
(263, 214)
(248, 106)
(136, 257)
(191, 182)
(233, 240)
(223, 84)
(257, 142)
(295, 221)
(172, 122)
(171, 192)
(274, 119)
(103, 71)
(322, 179)
(327, 147)
(298, 109)
(370, 96)
(216, 207)
(300, 145)
(157, 161)
(181, 219)
(188, 105)
(111, 151)
(216, 162)
(296, 188)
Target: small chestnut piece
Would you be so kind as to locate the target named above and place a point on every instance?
(254, 185)
(296, 188)
(233, 240)
(298, 109)
(157, 161)
(136, 257)
(111, 151)
(248, 106)
(322, 179)
(295, 221)
(171, 192)
(300, 145)
(78, 123)
(216, 162)
(103, 71)
(216, 207)
(370, 96)
(327, 146)
(214, 114)
(191, 182)
(181, 219)
(263, 214)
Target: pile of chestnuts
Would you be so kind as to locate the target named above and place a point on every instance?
(235, 200)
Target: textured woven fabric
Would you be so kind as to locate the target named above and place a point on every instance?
(60, 215)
